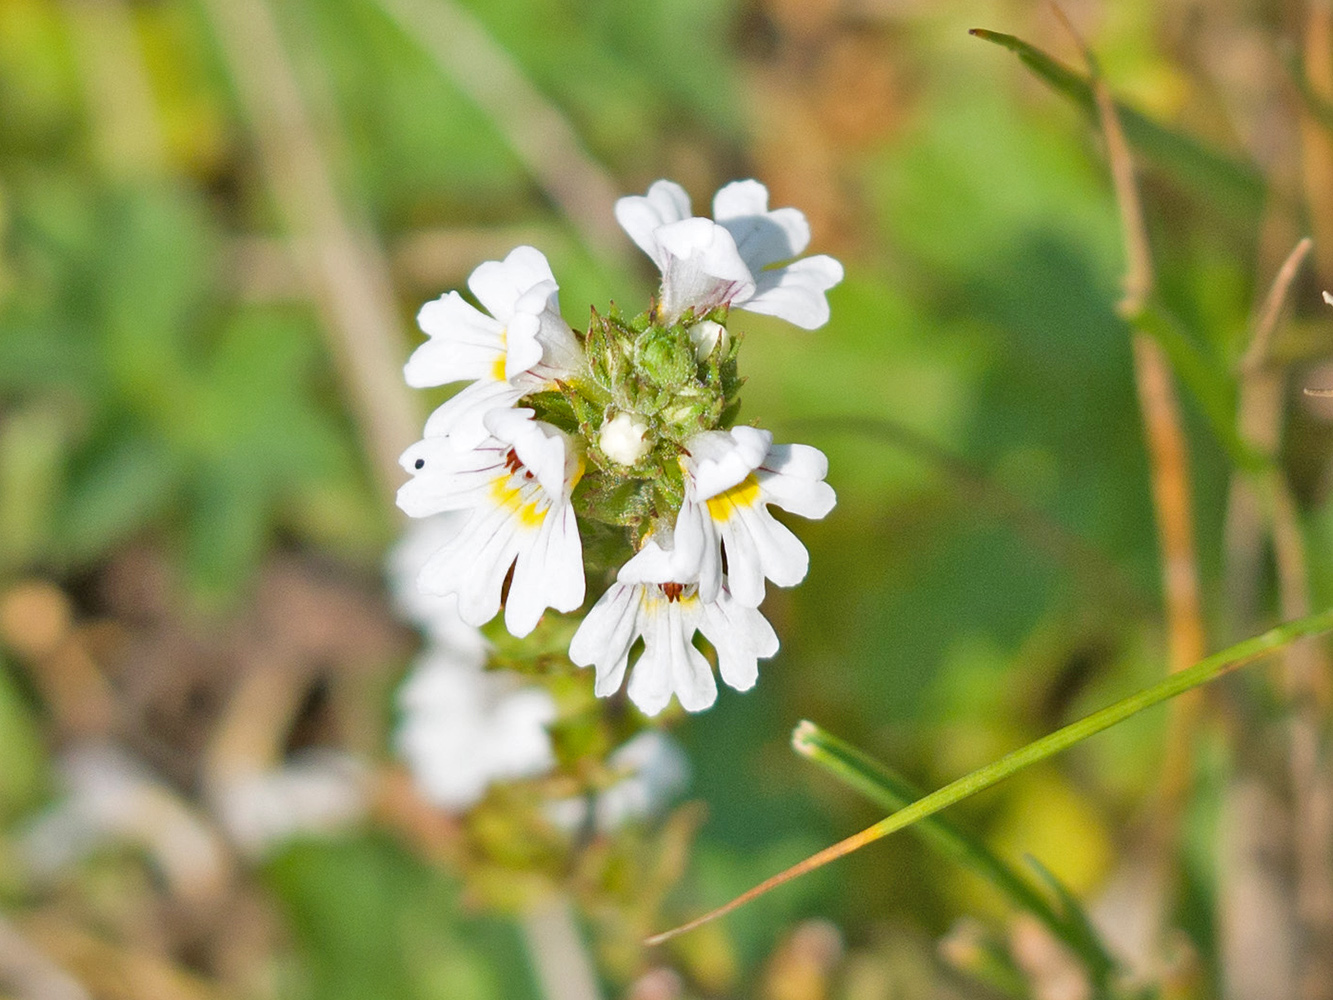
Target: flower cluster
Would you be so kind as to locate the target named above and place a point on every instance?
(618, 444)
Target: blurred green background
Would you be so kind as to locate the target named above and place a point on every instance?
(217, 219)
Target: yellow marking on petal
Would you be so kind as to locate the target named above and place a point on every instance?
(743, 494)
(532, 515)
(510, 498)
(498, 366)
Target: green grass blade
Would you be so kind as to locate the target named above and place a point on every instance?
(1215, 176)
(1208, 669)
(877, 782)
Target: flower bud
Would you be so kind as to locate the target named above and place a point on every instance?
(707, 335)
(623, 439)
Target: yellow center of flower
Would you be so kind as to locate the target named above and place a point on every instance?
(743, 494)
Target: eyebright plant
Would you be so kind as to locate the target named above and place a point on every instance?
(616, 447)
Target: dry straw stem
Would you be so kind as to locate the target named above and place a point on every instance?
(344, 269)
(30, 973)
(1168, 455)
(533, 126)
(1175, 683)
(1168, 449)
(563, 967)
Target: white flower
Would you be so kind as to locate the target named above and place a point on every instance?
(650, 770)
(435, 614)
(731, 479)
(523, 347)
(646, 601)
(737, 260)
(464, 728)
(623, 438)
(516, 488)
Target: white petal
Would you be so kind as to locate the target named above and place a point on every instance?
(792, 478)
(464, 728)
(605, 636)
(548, 573)
(701, 268)
(521, 744)
(463, 344)
(498, 285)
(537, 321)
(745, 566)
(782, 557)
(698, 553)
(655, 563)
(446, 478)
(692, 675)
(474, 565)
(796, 293)
(720, 460)
(655, 769)
(641, 217)
(741, 636)
(436, 616)
(462, 417)
(761, 236)
(541, 447)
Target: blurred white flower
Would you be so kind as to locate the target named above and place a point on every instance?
(516, 350)
(463, 728)
(646, 601)
(435, 614)
(737, 260)
(317, 795)
(516, 487)
(651, 770)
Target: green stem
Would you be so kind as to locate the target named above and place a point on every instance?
(1207, 669)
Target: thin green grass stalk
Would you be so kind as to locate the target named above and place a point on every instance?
(882, 786)
(1208, 669)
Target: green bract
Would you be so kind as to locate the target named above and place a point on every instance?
(652, 374)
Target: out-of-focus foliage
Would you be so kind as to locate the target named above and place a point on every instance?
(177, 431)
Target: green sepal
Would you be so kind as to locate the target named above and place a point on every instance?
(554, 408)
(612, 499)
(606, 547)
(665, 356)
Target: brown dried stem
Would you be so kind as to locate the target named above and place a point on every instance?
(1168, 450)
